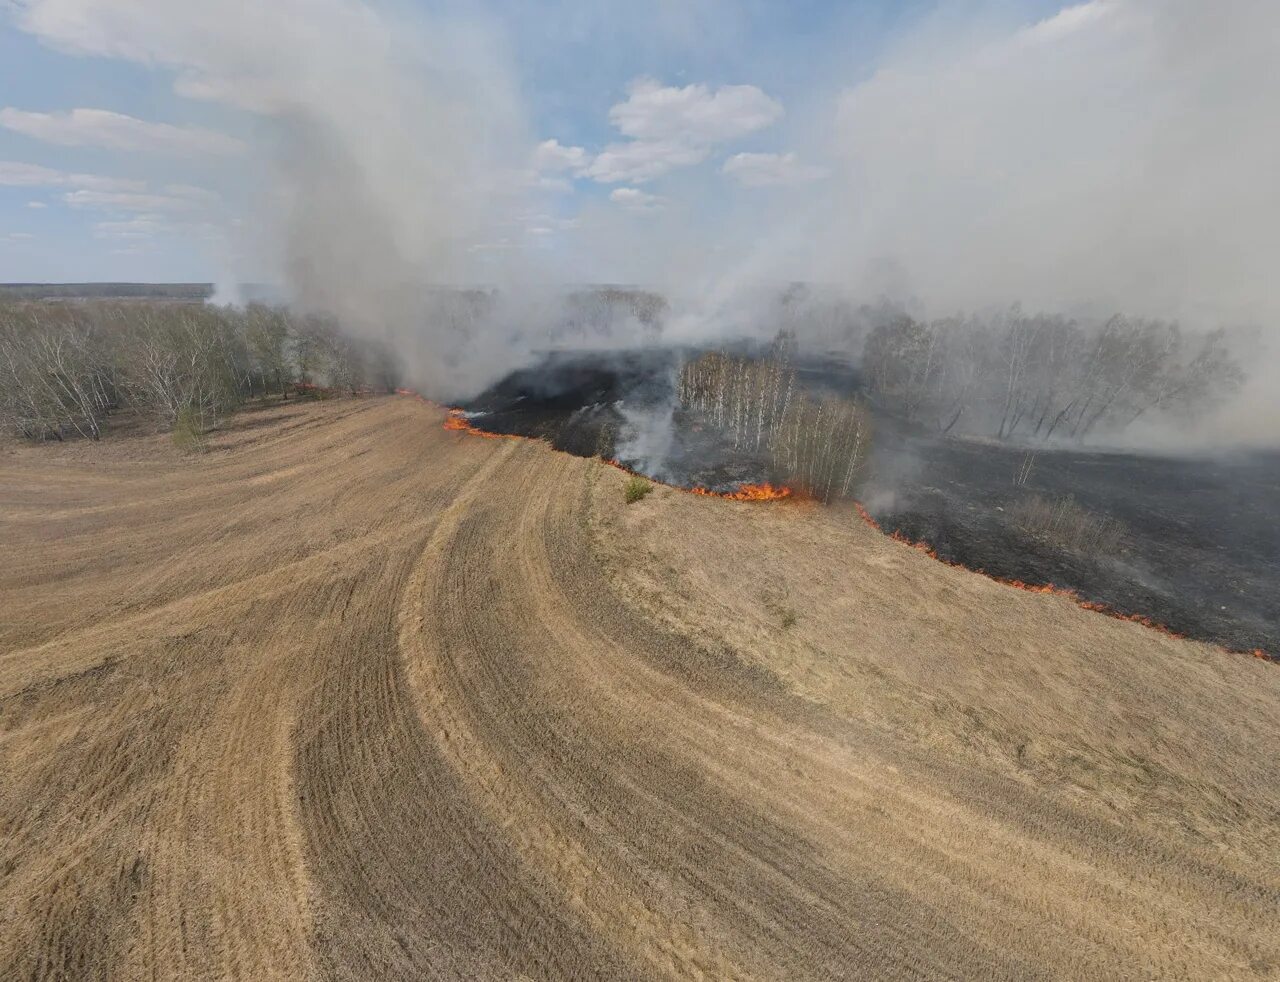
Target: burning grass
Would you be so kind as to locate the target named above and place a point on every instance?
(458, 421)
(822, 445)
(1068, 522)
(750, 492)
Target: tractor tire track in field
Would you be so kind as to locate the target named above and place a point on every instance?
(355, 697)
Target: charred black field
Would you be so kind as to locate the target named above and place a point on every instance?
(1191, 543)
(619, 405)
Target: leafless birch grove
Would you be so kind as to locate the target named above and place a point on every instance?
(1024, 377)
(66, 367)
(820, 444)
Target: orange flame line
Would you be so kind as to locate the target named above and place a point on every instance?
(456, 420)
(1068, 594)
(750, 492)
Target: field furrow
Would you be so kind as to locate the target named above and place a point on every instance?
(352, 696)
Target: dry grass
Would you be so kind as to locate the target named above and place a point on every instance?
(188, 436)
(1064, 523)
(349, 696)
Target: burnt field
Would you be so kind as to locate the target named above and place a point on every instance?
(620, 406)
(1191, 543)
(1198, 548)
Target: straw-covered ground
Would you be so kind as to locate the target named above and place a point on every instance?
(353, 696)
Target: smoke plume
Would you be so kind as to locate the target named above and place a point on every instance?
(1116, 155)
(388, 146)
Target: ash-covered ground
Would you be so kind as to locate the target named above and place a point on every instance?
(619, 405)
(1200, 550)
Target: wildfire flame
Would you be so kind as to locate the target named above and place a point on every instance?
(457, 420)
(1069, 594)
(750, 492)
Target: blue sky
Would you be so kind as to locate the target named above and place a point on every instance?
(45, 238)
(93, 196)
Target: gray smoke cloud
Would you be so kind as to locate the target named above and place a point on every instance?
(1115, 156)
(389, 146)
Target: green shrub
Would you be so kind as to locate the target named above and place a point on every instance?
(188, 435)
(636, 488)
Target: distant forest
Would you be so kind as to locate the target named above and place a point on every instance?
(194, 292)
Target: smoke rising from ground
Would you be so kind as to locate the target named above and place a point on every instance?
(1113, 157)
(388, 145)
(1116, 156)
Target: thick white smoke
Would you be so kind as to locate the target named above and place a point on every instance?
(1118, 152)
(388, 146)
(1115, 156)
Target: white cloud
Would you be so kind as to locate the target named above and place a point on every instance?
(95, 182)
(192, 193)
(677, 127)
(16, 174)
(643, 161)
(36, 204)
(757, 170)
(226, 55)
(129, 201)
(552, 164)
(144, 226)
(116, 131)
(553, 184)
(512, 183)
(633, 199)
(694, 114)
(552, 156)
(20, 236)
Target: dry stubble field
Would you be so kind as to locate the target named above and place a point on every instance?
(352, 696)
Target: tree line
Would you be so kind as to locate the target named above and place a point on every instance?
(66, 368)
(821, 444)
(1037, 377)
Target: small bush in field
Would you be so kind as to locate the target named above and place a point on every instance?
(1064, 523)
(635, 489)
(188, 435)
